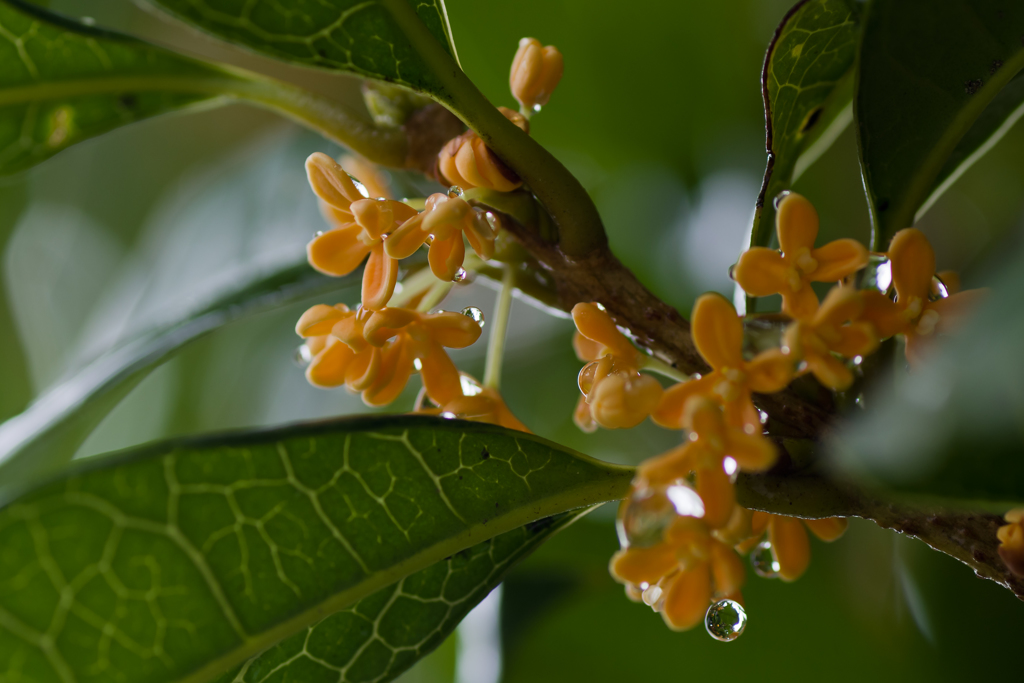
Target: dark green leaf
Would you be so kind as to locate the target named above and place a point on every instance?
(62, 82)
(383, 635)
(341, 35)
(927, 72)
(181, 560)
(806, 87)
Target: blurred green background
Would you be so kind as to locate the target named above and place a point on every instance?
(660, 116)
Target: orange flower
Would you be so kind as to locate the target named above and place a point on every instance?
(718, 335)
(408, 336)
(914, 314)
(340, 355)
(467, 162)
(360, 227)
(1011, 541)
(444, 219)
(535, 72)
(833, 329)
(478, 404)
(761, 271)
(710, 442)
(788, 538)
(615, 394)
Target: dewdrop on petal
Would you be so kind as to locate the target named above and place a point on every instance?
(536, 70)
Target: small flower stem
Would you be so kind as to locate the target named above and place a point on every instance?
(496, 344)
(662, 368)
(434, 295)
(412, 286)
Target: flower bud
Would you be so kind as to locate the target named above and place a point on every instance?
(535, 72)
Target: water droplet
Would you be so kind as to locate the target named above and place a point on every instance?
(939, 289)
(652, 595)
(475, 313)
(763, 416)
(647, 513)
(88, 21)
(470, 387)
(303, 356)
(417, 363)
(536, 108)
(762, 559)
(317, 233)
(725, 620)
(448, 416)
(461, 275)
(454, 191)
(600, 306)
(730, 465)
(779, 197)
(359, 186)
(857, 360)
(732, 272)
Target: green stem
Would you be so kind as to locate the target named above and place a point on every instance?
(662, 368)
(496, 343)
(412, 286)
(434, 295)
(579, 225)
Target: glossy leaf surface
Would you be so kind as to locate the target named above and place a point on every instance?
(341, 35)
(386, 633)
(806, 92)
(927, 72)
(62, 82)
(180, 560)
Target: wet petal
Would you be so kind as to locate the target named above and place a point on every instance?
(796, 223)
(828, 529)
(440, 376)
(454, 330)
(886, 316)
(727, 569)
(337, 252)
(328, 367)
(480, 234)
(446, 256)
(330, 182)
(761, 271)
(643, 565)
(595, 324)
(379, 278)
(396, 365)
(770, 371)
(320, 319)
(838, 259)
(718, 495)
(792, 548)
(830, 371)
(752, 452)
(687, 598)
(717, 332)
(741, 413)
(466, 163)
(913, 264)
(801, 304)
(586, 349)
(704, 416)
(407, 238)
(856, 339)
(669, 413)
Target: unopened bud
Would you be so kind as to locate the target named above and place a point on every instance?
(536, 70)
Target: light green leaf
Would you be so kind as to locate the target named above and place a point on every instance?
(181, 560)
(806, 86)
(386, 633)
(360, 37)
(927, 72)
(62, 82)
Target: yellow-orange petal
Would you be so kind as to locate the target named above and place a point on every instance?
(769, 371)
(718, 495)
(446, 256)
(838, 259)
(727, 569)
(886, 317)
(856, 339)
(586, 349)
(407, 238)
(362, 370)
(792, 548)
(912, 260)
(687, 598)
(670, 410)
(328, 367)
(621, 401)
(582, 416)
(379, 279)
(800, 304)
(396, 366)
(752, 452)
(330, 182)
(595, 324)
(741, 413)
(830, 371)
(704, 417)
(717, 331)
(827, 529)
(440, 376)
(667, 467)
(454, 330)
(368, 174)
(761, 272)
(643, 565)
(796, 223)
(466, 163)
(759, 522)
(479, 234)
(337, 252)
(840, 305)
(498, 177)
(320, 319)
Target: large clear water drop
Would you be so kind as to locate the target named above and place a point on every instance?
(303, 356)
(725, 620)
(762, 559)
(475, 313)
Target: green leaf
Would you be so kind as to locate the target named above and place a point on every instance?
(62, 82)
(181, 560)
(386, 633)
(806, 86)
(927, 72)
(360, 37)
